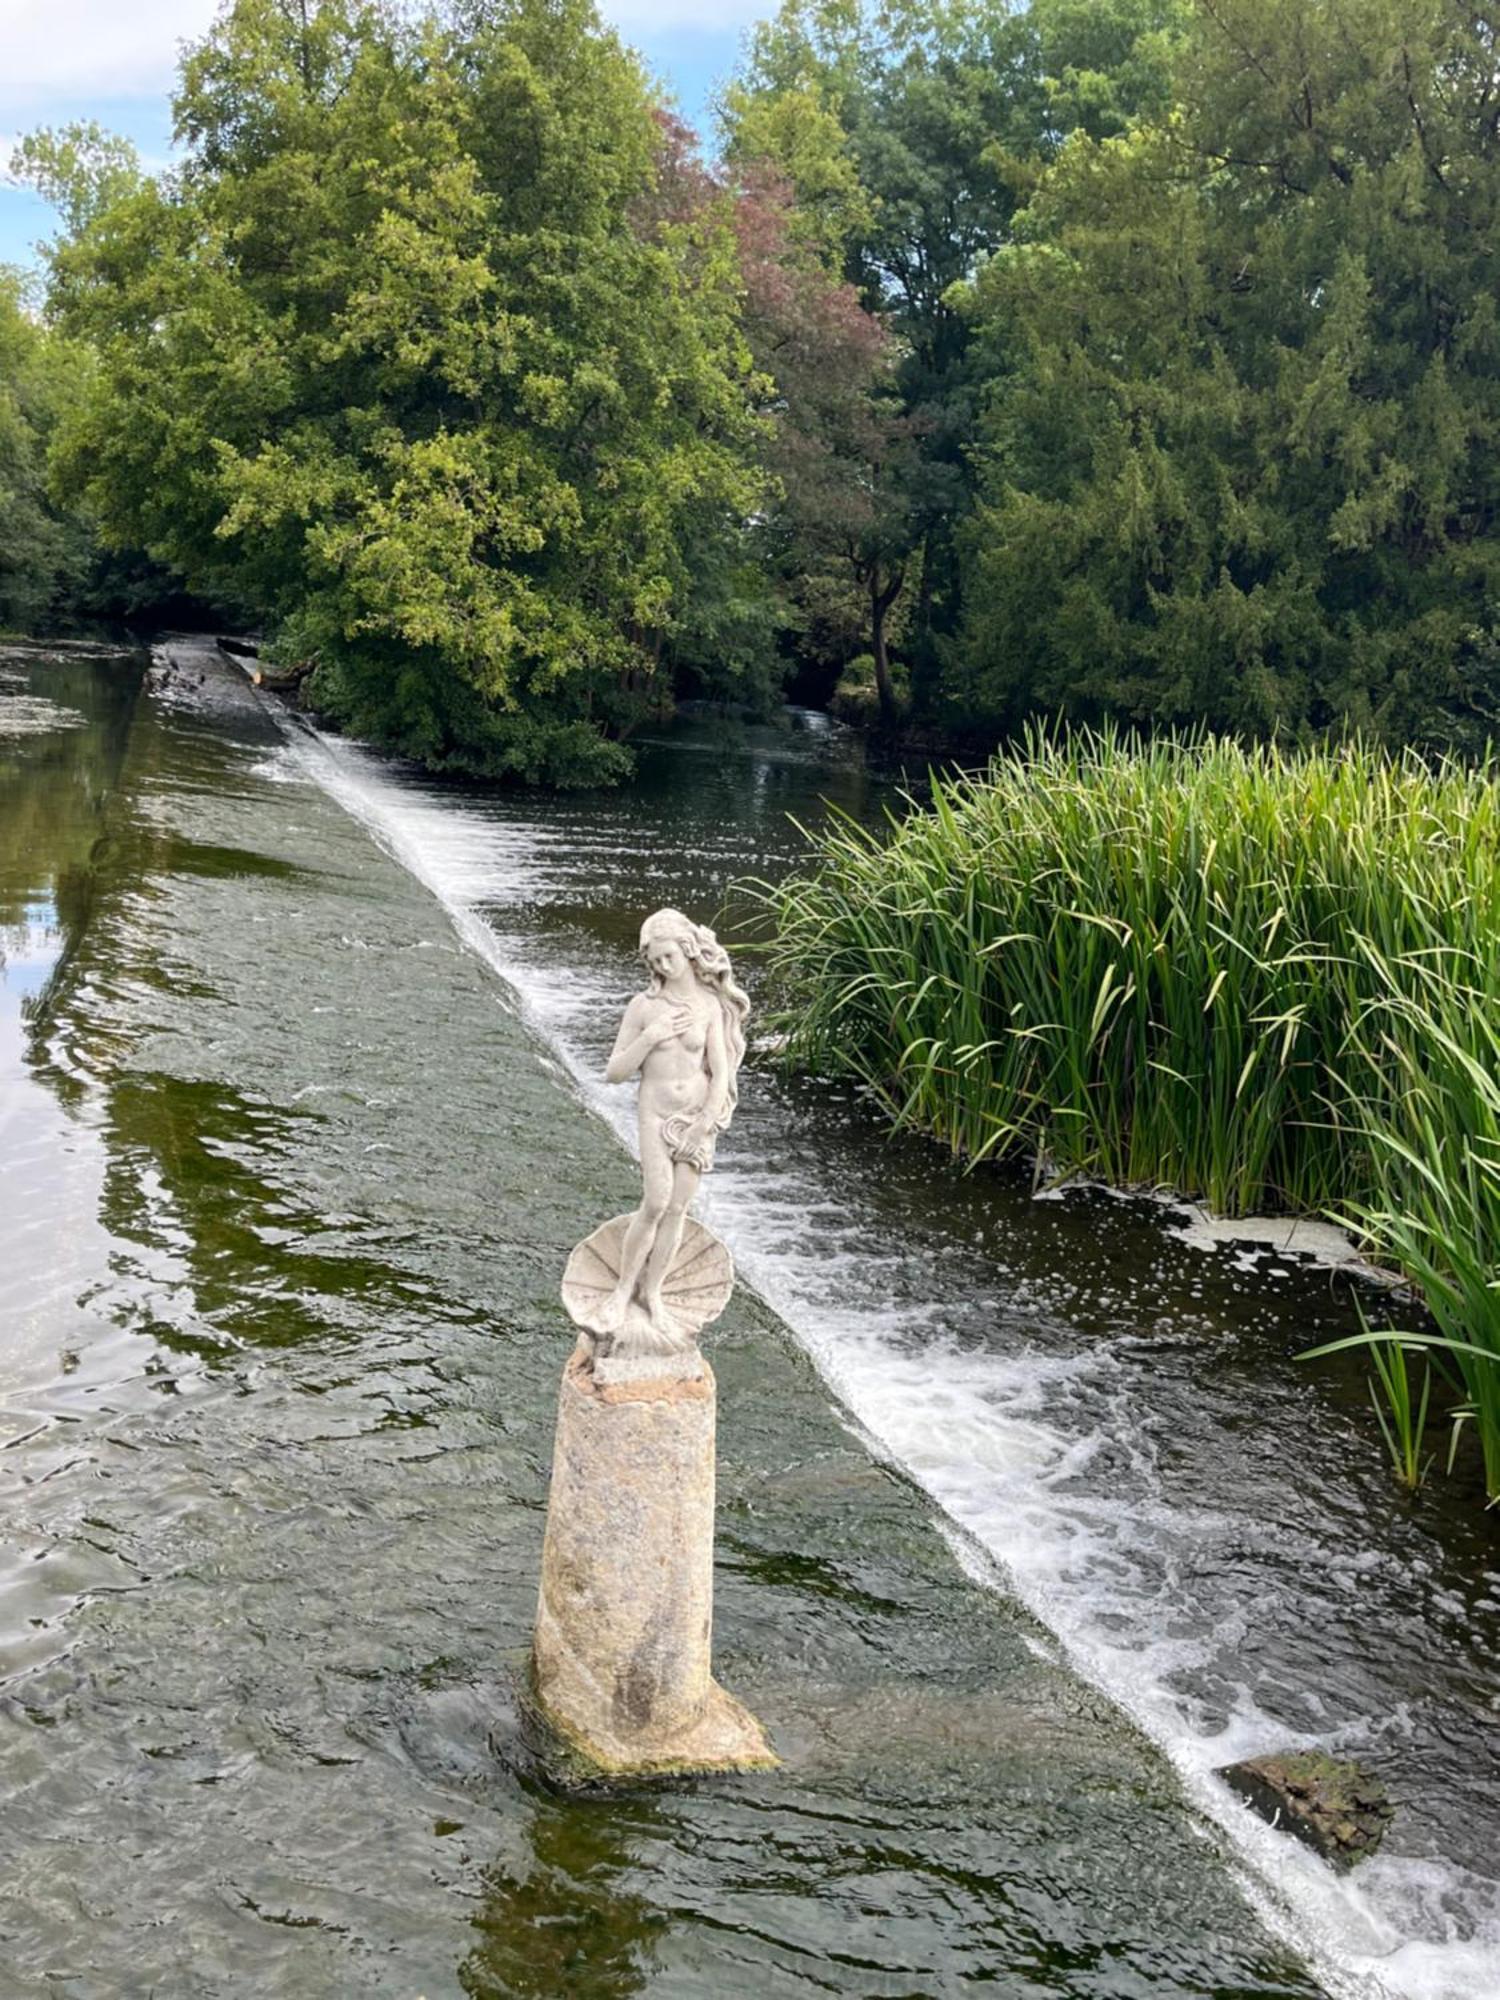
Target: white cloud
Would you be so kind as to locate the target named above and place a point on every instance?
(101, 49)
(708, 17)
(70, 52)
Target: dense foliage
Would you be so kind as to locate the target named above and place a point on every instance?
(1238, 454)
(1265, 978)
(1132, 358)
(910, 132)
(406, 358)
(42, 552)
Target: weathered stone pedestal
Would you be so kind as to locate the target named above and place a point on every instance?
(625, 1613)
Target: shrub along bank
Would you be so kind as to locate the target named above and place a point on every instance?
(1263, 978)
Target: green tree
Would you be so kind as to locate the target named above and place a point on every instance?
(1239, 445)
(43, 550)
(834, 531)
(722, 640)
(911, 129)
(920, 94)
(402, 359)
(81, 169)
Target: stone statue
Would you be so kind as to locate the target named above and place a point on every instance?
(645, 1285)
(621, 1657)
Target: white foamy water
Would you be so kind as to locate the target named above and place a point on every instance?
(35, 715)
(1041, 1454)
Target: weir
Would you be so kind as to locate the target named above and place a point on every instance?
(1093, 1389)
(330, 1167)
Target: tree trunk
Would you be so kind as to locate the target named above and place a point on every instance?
(881, 601)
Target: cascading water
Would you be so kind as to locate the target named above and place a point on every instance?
(1108, 1417)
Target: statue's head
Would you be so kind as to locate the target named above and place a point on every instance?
(669, 941)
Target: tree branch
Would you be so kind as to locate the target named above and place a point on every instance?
(1416, 117)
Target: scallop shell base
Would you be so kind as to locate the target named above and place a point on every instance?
(697, 1289)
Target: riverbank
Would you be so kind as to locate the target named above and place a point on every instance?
(1268, 981)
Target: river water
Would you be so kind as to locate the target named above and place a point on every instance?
(1028, 1518)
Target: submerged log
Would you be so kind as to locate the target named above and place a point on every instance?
(1338, 1809)
(245, 653)
(283, 680)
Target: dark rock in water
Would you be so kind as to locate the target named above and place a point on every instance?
(1336, 1808)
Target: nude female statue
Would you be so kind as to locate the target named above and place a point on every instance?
(686, 1037)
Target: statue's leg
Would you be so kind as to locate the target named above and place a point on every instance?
(640, 1235)
(685, 1181)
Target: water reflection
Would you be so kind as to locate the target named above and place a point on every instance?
(30, 944)
(61, 754)
(57, 775)
(563, 1919)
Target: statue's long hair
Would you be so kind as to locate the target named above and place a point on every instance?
(711, 967)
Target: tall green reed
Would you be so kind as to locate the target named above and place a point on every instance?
(1265, 978)
(1425, 1079)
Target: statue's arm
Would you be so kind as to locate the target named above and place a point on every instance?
(720, 1076)
(632, 1044)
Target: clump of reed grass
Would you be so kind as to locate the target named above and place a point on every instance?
(1424, 1078)
(1260, 977)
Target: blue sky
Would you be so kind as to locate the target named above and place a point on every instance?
(113, 60)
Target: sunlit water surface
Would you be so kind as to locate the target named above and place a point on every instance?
(298, 1061)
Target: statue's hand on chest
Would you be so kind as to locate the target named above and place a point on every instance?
(669, 1022)
(682, 1024)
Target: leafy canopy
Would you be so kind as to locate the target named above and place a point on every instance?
(43, 550)
(403, 359)
(1238, 451)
